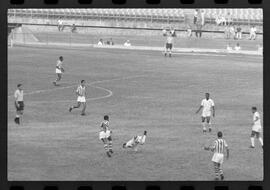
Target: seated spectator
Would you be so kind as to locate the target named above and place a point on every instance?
(127, 43)
(237, 47)
(238, 32)
(73, 28)
(100, 42)
(229, 48)
(189, 32)
(252, 33)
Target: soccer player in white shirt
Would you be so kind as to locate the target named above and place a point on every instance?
(208, 105)
(81, 93)
(256, 128)
(135, 141)
(218, 148)
(59, 70)
(19, 105)
(169, 41)
(105, 136)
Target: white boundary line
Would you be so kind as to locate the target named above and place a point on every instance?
(110, 93)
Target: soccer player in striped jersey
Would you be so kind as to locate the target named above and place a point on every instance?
(81, 93)
(135, 141)
(105, 136)
(208, 105)
(19, 105)
(256, 128)
(59, 70)
(219, 148)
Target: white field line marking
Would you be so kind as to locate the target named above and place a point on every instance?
(205, 54)
(110, 93)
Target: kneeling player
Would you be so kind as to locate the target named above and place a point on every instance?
(105, 136)
(133, 143)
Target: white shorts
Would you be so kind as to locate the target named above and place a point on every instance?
(103, 134)
(257, 128)
(58, 71)
(206, 113)
(81, 99)
(218, 158)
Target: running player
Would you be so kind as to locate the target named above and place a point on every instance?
(105, 136)
(207, 104)
(133, 143)
(169, 41)
(19, 105)
(256, 128)
(218, 148)
(59, 70)
(81, 93)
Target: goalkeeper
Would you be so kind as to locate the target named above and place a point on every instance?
(133, 143)
(59, 70)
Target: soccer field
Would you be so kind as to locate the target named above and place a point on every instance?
(139, 90)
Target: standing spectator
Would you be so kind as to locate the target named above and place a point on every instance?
(203, 17)
(60, 24)
(195, 16)
(229, 19)
(238, 32)
(252, 33)
(232, 31)
(227, 32)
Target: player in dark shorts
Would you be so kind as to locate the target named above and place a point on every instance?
(19, 104)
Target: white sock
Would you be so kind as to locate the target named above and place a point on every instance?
(204, 128)
(252, 141)
(261, 140)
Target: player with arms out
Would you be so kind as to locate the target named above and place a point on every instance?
(135, 141)
(19, 105)
(256, 128)
(81, 93)
(218, 148)
(207, 104)
(59, 70)
(105, 136)
(170, 35)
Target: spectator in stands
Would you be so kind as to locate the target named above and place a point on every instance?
(203, 17)
(60, 25)
(227, 32)
(196, 13)
(252, 33)
(127, 43)
(229, 48)
(73, 28)
(237, 47)
(100, 42)
(238, 33)
(189, 31)
(232, 31)
(229, 19)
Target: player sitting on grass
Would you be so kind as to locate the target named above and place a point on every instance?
(218, 148)
(105, 136)
(81, 93)
(133, 143)
(59, 70)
